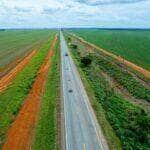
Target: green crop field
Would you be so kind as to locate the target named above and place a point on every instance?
(12, 98)
(133, 45)
(14, 44)
(119, 96)
(75, 75)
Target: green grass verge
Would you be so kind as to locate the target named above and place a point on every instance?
(130, 123)
(12, 98)
(46, 130)
(133, 45)
(131, 84)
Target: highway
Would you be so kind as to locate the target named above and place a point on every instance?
(81, 129)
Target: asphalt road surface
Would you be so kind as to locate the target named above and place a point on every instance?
(81, 128)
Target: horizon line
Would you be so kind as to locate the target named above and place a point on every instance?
(121, 28)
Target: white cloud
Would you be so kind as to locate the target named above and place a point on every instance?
(104, 2)
(69, 13)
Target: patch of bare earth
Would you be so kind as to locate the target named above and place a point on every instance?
(21, 133)
(6, 80)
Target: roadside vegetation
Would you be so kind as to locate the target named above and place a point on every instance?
(12, 98)
(129, 122)
(132, 45)
(125, 79)
(133, 82)
(46, 134)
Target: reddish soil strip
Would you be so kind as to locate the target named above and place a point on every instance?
(143, 71)
(5, 80)
(8, 67)
(21, 133)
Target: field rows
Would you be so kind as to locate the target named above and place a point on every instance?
(15, 44)
(30, 90)
(13, 97)
(6, 79)
(46, 136)
(131, 45)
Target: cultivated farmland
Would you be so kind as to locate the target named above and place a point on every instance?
(13, 97)
(133, 45)
(16, 44)
(58, 90)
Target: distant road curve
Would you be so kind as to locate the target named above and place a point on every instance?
(82, 131)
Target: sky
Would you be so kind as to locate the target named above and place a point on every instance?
(74, 13)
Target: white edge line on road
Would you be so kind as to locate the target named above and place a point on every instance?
(97, 127)
(65, 112)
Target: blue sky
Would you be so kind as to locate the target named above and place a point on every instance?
(74, 13)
